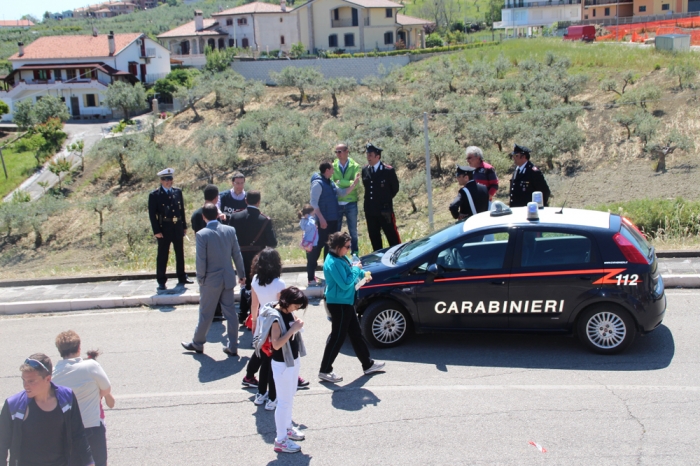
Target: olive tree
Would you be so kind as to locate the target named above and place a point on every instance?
(303, 78)
(335, 86)
(125, 97)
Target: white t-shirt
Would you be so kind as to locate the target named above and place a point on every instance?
(267, 293)
(86, 378)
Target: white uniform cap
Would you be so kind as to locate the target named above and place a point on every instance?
(166, 172)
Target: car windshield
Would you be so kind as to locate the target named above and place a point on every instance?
(418, 247)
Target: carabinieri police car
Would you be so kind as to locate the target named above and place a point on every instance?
(521, 269)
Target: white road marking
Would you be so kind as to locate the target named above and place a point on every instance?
(417, 388)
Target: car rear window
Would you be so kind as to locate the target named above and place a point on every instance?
(549, 248)
(636, 238)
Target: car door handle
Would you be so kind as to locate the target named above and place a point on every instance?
(498, 282)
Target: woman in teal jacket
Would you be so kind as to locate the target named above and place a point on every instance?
(341, 278)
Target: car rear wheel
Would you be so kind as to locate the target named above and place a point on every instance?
(606, 329)
(385, 324)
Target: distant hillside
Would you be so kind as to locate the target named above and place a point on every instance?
(151, 22)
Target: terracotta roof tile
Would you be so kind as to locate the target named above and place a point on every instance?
(255, 7)
(405, 20)
(187, 29)
(52, 47)
(16, 23)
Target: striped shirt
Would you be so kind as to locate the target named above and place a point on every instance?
(486, 175)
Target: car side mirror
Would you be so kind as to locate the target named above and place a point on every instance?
(431, 273)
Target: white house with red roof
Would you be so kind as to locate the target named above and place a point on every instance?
(78, 69)
(16, 23)
(353, 25)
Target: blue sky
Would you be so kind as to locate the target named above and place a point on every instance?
(14, 9)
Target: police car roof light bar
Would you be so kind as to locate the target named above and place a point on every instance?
(537, 197)
(499, 209)
(532, 213)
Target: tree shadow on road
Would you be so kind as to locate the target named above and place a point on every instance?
(531, 351)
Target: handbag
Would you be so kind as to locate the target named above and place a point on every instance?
(308, 246)
(267, 348)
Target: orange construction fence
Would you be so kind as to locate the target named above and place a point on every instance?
(639, 31)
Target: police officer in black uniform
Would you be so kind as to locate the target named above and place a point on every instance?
(526, 179)
(166, 209)
(381, 186)
(254, 232)
(233, 200)
(472, 198)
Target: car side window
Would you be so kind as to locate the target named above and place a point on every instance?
(551, 248)
(475, 252)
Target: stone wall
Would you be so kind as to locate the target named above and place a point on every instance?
(358, 68)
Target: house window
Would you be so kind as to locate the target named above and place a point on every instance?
(388, 38)
(70, 74)
(333, 40)
(90, 100)
(229, 22)
(231, 43)
(389, 13)
(336, 14)
(281, 20)
(282, 40)
(57, 74)
(665, 6)
(349, 40)
(642, 8)
(607, 12)
(242, 21)
(594, 13)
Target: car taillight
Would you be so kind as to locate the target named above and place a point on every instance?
(629, 250)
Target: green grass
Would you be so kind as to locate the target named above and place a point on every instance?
(19, 167)
(471, 10)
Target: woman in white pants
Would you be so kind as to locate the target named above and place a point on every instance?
(287, 347)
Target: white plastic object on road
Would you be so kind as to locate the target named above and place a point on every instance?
(538, 446)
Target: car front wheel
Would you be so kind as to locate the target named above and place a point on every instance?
(385, 324)
(606, 329)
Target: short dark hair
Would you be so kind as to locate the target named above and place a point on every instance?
(325, 165)
(210, 211)
(67, 343)
(210, 192)
(237, 175)
(267, 265)
(338, 239)
(293, 295)
(252, 197)
(43, 359)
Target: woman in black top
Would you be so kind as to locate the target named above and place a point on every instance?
(285, 366)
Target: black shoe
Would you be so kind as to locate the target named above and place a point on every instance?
(187, 281)
(229, 352)
(190, 347)
(161, 288)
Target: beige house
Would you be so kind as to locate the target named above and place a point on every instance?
(352, 25)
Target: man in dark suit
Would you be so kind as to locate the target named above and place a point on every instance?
(381, 186)
(472, 198)
(166, 210)
(216, 246)
(526, 179)
(254, 234)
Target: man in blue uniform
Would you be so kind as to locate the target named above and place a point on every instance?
(166, 209)
(526, 179)
(381, 186)
(472, 198)
(233, 200)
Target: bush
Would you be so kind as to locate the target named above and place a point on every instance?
(660, 218)
(433, 40)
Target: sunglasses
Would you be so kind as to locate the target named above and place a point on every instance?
(35, 364)
(166, 178)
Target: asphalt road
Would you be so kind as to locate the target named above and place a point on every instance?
(444, 399)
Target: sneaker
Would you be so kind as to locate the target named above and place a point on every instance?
(295, 434)
(330, 377)
(376, 367)
(287, 447)
(250, 382)
(260, 399)
(302, 383)
(270, 405)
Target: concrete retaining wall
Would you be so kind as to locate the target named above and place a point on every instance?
(358, 68)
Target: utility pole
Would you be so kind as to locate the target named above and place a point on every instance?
(3, 163)
(428, 180)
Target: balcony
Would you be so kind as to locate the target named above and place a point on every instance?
(605, 2)
(148, 53)
(538, 4)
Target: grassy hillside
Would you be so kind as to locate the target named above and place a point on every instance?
(543, 93)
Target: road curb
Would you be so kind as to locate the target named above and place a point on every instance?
(677, 254)
(85, 304)
(681, 281)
